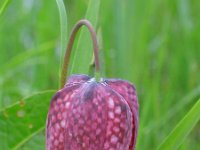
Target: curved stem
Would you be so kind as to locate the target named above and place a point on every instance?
(64, 71)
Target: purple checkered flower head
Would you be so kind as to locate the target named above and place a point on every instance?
(92, 113)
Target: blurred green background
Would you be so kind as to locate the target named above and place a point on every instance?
(153, 43)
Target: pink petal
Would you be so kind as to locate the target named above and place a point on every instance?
(56, 117)
(93, 125)
(128, 92)
(90, 115)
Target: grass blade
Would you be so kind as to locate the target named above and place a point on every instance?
(19, 59)
(177, 136)
(83, 54)
(63, 29)
(4, 6)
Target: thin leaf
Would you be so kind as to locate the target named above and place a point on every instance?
(35, 143)
(83, 52)
(4, 6)
(24, 119)
(172, 111)
(63, 28)
(177, 136)
(23, 57)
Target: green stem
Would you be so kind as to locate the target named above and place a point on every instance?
(64, 71)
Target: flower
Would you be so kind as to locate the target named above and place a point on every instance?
(93, 115)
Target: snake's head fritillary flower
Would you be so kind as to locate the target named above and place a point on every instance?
(92, 113)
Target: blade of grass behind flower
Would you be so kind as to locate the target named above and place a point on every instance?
(63, 29)
(4, 6)
(83, 51)
(184, 127)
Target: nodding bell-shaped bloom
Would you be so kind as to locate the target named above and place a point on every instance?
(88, 114)
(91, 115)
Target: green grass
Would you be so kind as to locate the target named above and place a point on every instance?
(181, 131)
(154, 44)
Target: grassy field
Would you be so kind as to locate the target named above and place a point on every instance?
(152, 43)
